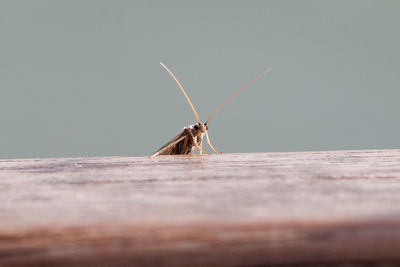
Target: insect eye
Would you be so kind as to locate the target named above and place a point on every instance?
(207, 127)
(196, 127)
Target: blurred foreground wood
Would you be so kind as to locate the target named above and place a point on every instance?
(309, 208)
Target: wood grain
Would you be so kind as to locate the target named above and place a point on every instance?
(306, 208)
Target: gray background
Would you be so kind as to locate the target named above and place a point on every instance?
(82, 78)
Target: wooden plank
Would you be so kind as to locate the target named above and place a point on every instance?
(304, 208)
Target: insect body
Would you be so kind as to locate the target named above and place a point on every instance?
(185, 142)
(191, 137)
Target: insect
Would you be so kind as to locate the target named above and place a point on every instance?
(191, 137)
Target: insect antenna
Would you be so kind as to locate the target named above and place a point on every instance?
(235, 93)
(183, 91)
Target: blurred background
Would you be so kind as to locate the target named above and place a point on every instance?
(82, 78)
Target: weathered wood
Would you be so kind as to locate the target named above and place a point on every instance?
(222, 210)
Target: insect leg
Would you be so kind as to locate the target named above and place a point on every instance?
(201, 146)
(209, 143)
(195, 143)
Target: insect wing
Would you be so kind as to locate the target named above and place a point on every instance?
(169, 147)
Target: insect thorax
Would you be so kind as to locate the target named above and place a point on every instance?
(198, 130)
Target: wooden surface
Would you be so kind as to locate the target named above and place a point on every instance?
(308, 208)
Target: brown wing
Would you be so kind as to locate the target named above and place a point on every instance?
(177, 145)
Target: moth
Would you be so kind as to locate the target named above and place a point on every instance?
(191, 137)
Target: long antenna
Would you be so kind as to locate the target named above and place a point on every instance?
(180, 86)
(244, 86)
